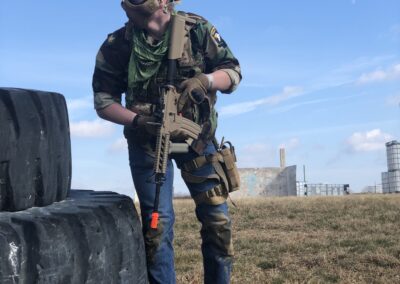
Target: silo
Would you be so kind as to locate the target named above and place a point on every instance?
(391, 178)
(385, 182)
(393, 155)
(394, 181)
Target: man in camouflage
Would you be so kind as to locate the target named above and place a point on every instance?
(133, 61)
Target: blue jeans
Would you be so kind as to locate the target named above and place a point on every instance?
(216, 224)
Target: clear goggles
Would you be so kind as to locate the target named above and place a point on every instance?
(135, 2)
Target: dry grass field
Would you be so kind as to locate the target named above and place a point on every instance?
(350, 239)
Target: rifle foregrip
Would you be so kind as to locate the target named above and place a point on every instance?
(162, 151)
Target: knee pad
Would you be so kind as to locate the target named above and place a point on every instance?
(152, 241)
(216, 232)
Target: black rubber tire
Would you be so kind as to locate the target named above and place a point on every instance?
(35, 149)
(92, 237)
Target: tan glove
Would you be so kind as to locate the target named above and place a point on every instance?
(195, 89)
(149, 124)
(179, 135)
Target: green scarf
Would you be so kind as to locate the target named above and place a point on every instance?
(145, 59)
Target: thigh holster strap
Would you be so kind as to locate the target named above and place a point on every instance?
(188, 177)
(214, 196)
(213, 159)
(201, 161)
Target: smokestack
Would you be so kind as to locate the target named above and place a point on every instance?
(282, 157)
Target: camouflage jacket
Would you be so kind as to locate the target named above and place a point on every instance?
(205, 52)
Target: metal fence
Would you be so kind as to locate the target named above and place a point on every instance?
(321, 189)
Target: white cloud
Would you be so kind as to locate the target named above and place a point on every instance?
(392, 73)
(240, 108)
(91, 129)
(119, 145)
(77, 104)
(361, 63)
(368, 141)
(378, 75)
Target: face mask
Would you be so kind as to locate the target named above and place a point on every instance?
(145, 7)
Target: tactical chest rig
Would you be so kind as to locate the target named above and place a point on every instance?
(189, 63)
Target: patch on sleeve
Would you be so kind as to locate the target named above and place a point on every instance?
(217, 37)
(111, 39)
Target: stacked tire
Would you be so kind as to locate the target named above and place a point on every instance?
(49, 233)
(35, 149)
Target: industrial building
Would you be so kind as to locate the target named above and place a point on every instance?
(267, 182)
(282, 181)
(391, 178)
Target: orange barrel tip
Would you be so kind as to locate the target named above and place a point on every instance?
(154, 220)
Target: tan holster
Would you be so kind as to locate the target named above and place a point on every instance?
(226, 173)
(229, 165)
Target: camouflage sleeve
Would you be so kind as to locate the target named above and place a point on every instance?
(218, 55)
(110, 73)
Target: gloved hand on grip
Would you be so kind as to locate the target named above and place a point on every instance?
(146, 123)
(179, 135)
(195, 89)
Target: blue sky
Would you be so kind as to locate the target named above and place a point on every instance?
(321, 78)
